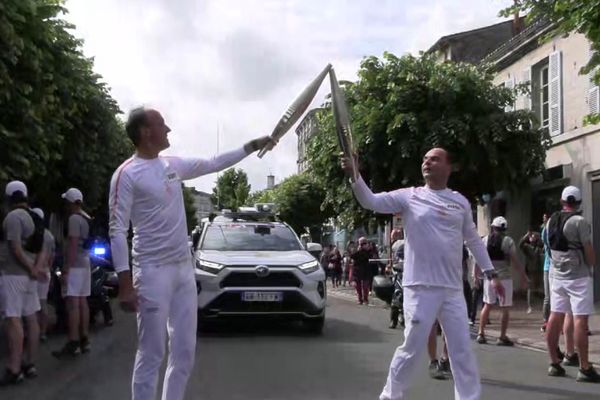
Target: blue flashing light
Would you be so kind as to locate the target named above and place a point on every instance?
(99, 251)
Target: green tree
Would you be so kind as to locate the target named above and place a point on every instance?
(299, 200)
(568, 16)
(232, 189)
(190, 207)
(401, 107)
(58, 126)
(260, 196)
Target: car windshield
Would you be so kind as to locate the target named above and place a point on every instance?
(250, 237)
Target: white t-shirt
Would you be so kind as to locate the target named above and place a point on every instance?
(149, 194)
(436, 224)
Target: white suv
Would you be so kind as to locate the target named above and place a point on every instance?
(246, 267)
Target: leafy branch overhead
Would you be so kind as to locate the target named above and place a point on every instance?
(403, 106)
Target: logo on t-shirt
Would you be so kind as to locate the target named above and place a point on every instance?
(453, 206)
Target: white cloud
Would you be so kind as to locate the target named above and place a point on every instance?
(239, 63)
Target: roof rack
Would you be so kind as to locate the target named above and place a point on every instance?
(250, 216)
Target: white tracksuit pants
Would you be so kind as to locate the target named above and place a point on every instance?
(168, 303)
(422, 306)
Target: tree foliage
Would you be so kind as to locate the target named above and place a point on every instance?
(582, 16)
(190, 207)
(401, 107)
(232, 189)
(299, 200)
(261, 196)
(58, 126)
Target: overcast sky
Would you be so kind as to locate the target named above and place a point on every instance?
(237, 64)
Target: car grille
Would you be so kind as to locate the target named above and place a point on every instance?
(232, 302)
(249, 279)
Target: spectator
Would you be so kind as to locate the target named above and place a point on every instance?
(44, 284)
(335, 260)
(533, 248)
(361, 272)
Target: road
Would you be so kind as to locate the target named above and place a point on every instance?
(250, 361)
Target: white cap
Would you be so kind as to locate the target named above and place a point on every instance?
(500, 222)
(72, 195)
(15, 186)
(39, 212)
(571, 192)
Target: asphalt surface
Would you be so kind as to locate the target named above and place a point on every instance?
(275, 362)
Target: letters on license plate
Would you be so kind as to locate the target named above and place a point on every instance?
(262, 296)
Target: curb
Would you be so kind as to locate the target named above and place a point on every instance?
(525, 343)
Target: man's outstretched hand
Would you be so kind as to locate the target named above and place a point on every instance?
(347, 163)
(259, 143)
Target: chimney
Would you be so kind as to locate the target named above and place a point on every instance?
(517, 25)
(270, 181)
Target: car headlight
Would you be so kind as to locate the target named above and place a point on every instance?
(309, 267)
(210, 267)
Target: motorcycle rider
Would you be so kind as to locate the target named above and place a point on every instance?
(396, 314)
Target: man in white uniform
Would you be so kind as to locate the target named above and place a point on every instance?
(146, 190)
(437, 221)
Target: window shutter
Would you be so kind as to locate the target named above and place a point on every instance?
(526, 97)
(555, 92)
(593, 91)
(509, 84)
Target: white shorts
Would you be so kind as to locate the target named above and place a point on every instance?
(79, 283)
(491, 297)
(572, 296)
(43, 287)
(20, 296)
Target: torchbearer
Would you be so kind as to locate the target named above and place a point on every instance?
(437, 221)
(146, 191)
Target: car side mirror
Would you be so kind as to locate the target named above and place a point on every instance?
(314, 247)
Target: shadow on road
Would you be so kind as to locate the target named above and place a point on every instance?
(566, 394)
(335, 330)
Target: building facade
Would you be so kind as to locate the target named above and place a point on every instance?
(305, 130)
(202, 202)
(560, 97)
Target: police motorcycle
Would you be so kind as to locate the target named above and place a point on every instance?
(389, 289)
(104, 285)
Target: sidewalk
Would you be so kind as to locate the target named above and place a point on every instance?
(523, 329)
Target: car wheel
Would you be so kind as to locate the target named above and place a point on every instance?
(315, 325)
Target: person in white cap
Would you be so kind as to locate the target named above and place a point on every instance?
(572, 261)
(20, 273)
(44, 284)
(437, 221)
(503, 252)
(146, 190)
(76, 277)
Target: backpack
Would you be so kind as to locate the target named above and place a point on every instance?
(554, 232)
(494, 246)
(35, 242)
(88, 242)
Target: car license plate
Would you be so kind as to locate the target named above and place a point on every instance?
(262, 296)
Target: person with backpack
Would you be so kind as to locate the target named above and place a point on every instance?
(572, 261)
(76, 276)
(23, 232)
(502, 251)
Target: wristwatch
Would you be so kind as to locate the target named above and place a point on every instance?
(490, 274)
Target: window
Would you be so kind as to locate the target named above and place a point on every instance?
(544, 112)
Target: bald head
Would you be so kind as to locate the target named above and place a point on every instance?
(436, 168)
(147, 129)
